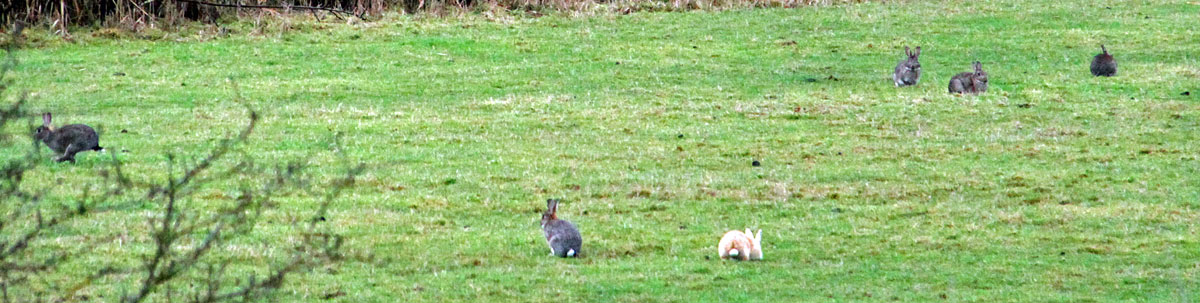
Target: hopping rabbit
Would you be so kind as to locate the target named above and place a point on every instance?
(67, 140)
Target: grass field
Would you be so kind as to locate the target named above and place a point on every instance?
(1054, 186)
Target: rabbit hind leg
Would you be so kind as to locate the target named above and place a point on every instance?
(956, 86)
(69, 153)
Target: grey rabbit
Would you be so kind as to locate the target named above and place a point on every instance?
(1104, 64)
(970, 82)
(67, 140)
(561, 235)
(908, 72)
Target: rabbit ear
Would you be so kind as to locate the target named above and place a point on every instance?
(918, 53)
(552, 205)
(907, 52)
(978, 66)
(1105, 50)
(758, 237)
(46, 119)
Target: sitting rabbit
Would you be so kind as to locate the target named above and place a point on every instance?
(561, 235)
(1104, 64)
(908, 72)
(970, 82)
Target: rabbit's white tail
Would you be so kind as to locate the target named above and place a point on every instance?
(571, 252)
(733, 252)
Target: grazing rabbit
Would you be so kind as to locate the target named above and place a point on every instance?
(67, 140)
(908, 72)
(561, 235)
(970, 82)
(1104, 64)
(740, 245)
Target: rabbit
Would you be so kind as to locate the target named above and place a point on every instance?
(67, 140)
(1104, 64)
(740, 245)
(908, 72)
(970, 82)
(561, 235)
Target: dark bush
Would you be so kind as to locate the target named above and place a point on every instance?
(138, 14)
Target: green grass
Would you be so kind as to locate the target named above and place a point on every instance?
(1052, 187)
